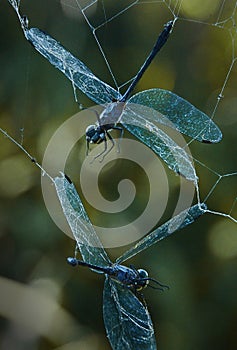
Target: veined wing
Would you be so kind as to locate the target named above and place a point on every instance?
(127, 321)
(178, 222)
(87, 240)
(72, 67)
(178, 114)
(134, 119)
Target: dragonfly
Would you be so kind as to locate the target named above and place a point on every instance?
(127, 320)
(139, 113)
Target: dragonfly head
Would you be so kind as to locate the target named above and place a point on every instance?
(142, 280)
(95, 134)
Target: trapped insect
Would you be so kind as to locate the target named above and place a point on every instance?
(137, 113)
(127, 321)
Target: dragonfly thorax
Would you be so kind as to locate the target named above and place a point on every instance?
(130, 276)
(112, 113)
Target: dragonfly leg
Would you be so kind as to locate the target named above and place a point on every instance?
(112, 145)
(104, 152)
(112, 141)
(161, 286)
(106, 149)
(121, 130)
(87, 148)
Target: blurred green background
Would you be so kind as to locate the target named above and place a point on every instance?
(44, 303)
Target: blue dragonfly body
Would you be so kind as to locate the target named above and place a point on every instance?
(127, 321)
(138, 113)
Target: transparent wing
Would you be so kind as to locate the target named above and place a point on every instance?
(72, 67)
(178, 222)
(135, 120)
(87, 240)
(127, 322)
(178, 114)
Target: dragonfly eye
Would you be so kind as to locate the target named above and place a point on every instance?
(142, 273)
(143, 279)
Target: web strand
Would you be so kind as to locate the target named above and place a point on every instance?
(199, 64)
(223, 19)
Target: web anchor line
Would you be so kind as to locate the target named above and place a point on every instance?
(33, 159)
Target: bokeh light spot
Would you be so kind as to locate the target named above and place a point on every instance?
(223, 240)
(200, 10)
(16, 175)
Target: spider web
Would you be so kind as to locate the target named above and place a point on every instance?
(218, 15)
(218, 18)
(198, 63)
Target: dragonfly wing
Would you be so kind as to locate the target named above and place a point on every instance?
(178, 222)
(134, 119)
(127, 321)
(83, 231)
(75, 70)
(178, 114)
